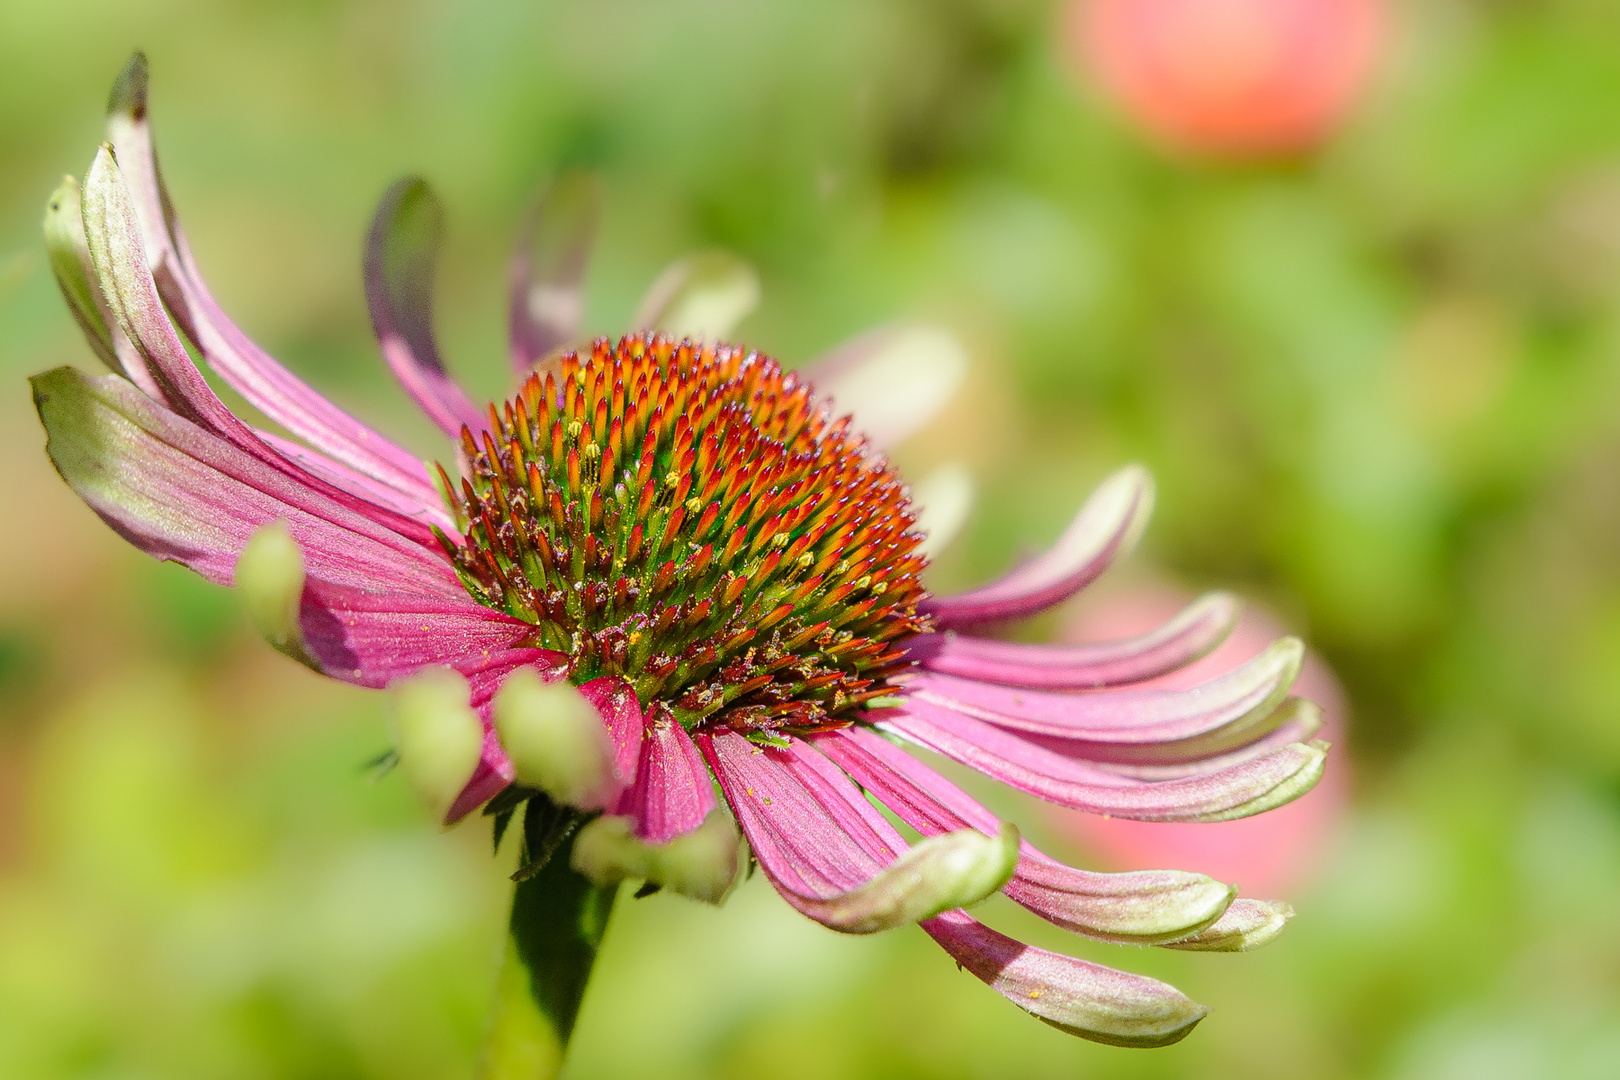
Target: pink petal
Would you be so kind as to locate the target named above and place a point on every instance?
(1148, 906)
(673, 792)
(1081, 998)
(1238, 791)
(180, 493)
(547, 274)
(808, 847)
(1106, 527)
(1186, 637)
(400, 254)
(1154, 725)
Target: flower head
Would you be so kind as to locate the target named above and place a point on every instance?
(724, 571)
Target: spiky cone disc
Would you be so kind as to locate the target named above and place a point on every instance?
(690, 517)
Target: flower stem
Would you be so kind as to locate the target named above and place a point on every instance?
(558, 918)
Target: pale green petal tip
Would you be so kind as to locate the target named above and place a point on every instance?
(703, 296)
(1246, 925)
(270, 575)
(69, 253)
(701, 864)
(942, 873)
(1298, 783)
(556, 740)
(437, 736)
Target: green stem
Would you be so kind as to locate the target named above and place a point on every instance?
(558, 918)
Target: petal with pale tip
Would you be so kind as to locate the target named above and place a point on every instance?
(438, 737)
(556, 740)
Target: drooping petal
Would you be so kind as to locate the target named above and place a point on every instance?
(1187, 637)
(1132, 726)
(702, 296)
(547, 301)
(672, 794)
(1245, 926)
(832, 856)
(251, 371)
(1141, 907)
(402, 250)
(1106, 527)
(1295, 720)
(893, 380)
(1081, 998)
(1240, 790)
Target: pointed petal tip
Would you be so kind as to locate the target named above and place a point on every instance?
(128, 96)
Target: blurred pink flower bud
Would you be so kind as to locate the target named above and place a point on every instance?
(1270, 854)
(1231, 77)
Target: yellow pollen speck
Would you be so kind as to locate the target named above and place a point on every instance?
(1036, 993)
(592, 452)
(880, 588)
(574, 429)
(803, 562)
(863, 581)
(780, 540)
(694, 504)
(672, 478)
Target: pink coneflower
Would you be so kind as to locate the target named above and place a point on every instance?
(725, 570)
(1231, 77)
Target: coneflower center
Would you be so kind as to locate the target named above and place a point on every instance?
(691, 518)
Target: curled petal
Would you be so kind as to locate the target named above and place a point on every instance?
(702, 296)
(1151, 726)
(548, 269)
(556, 741)
(70, 263)
(833, 857)
(943, 872)
(1189, 636)
(401, 251)
(1106, 527)
(701, 863)
(436, 735)
(1246, 925)
(893, 380)
(1240, 790)
(270, 576)
(239, 361)
(1075, 996)
(1141, 907)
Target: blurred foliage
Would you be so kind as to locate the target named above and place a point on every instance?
(1379, 386)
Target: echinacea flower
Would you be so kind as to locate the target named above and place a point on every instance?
(1231, 77)
(665, 587)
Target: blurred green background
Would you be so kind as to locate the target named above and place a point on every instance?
(1379, 386)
